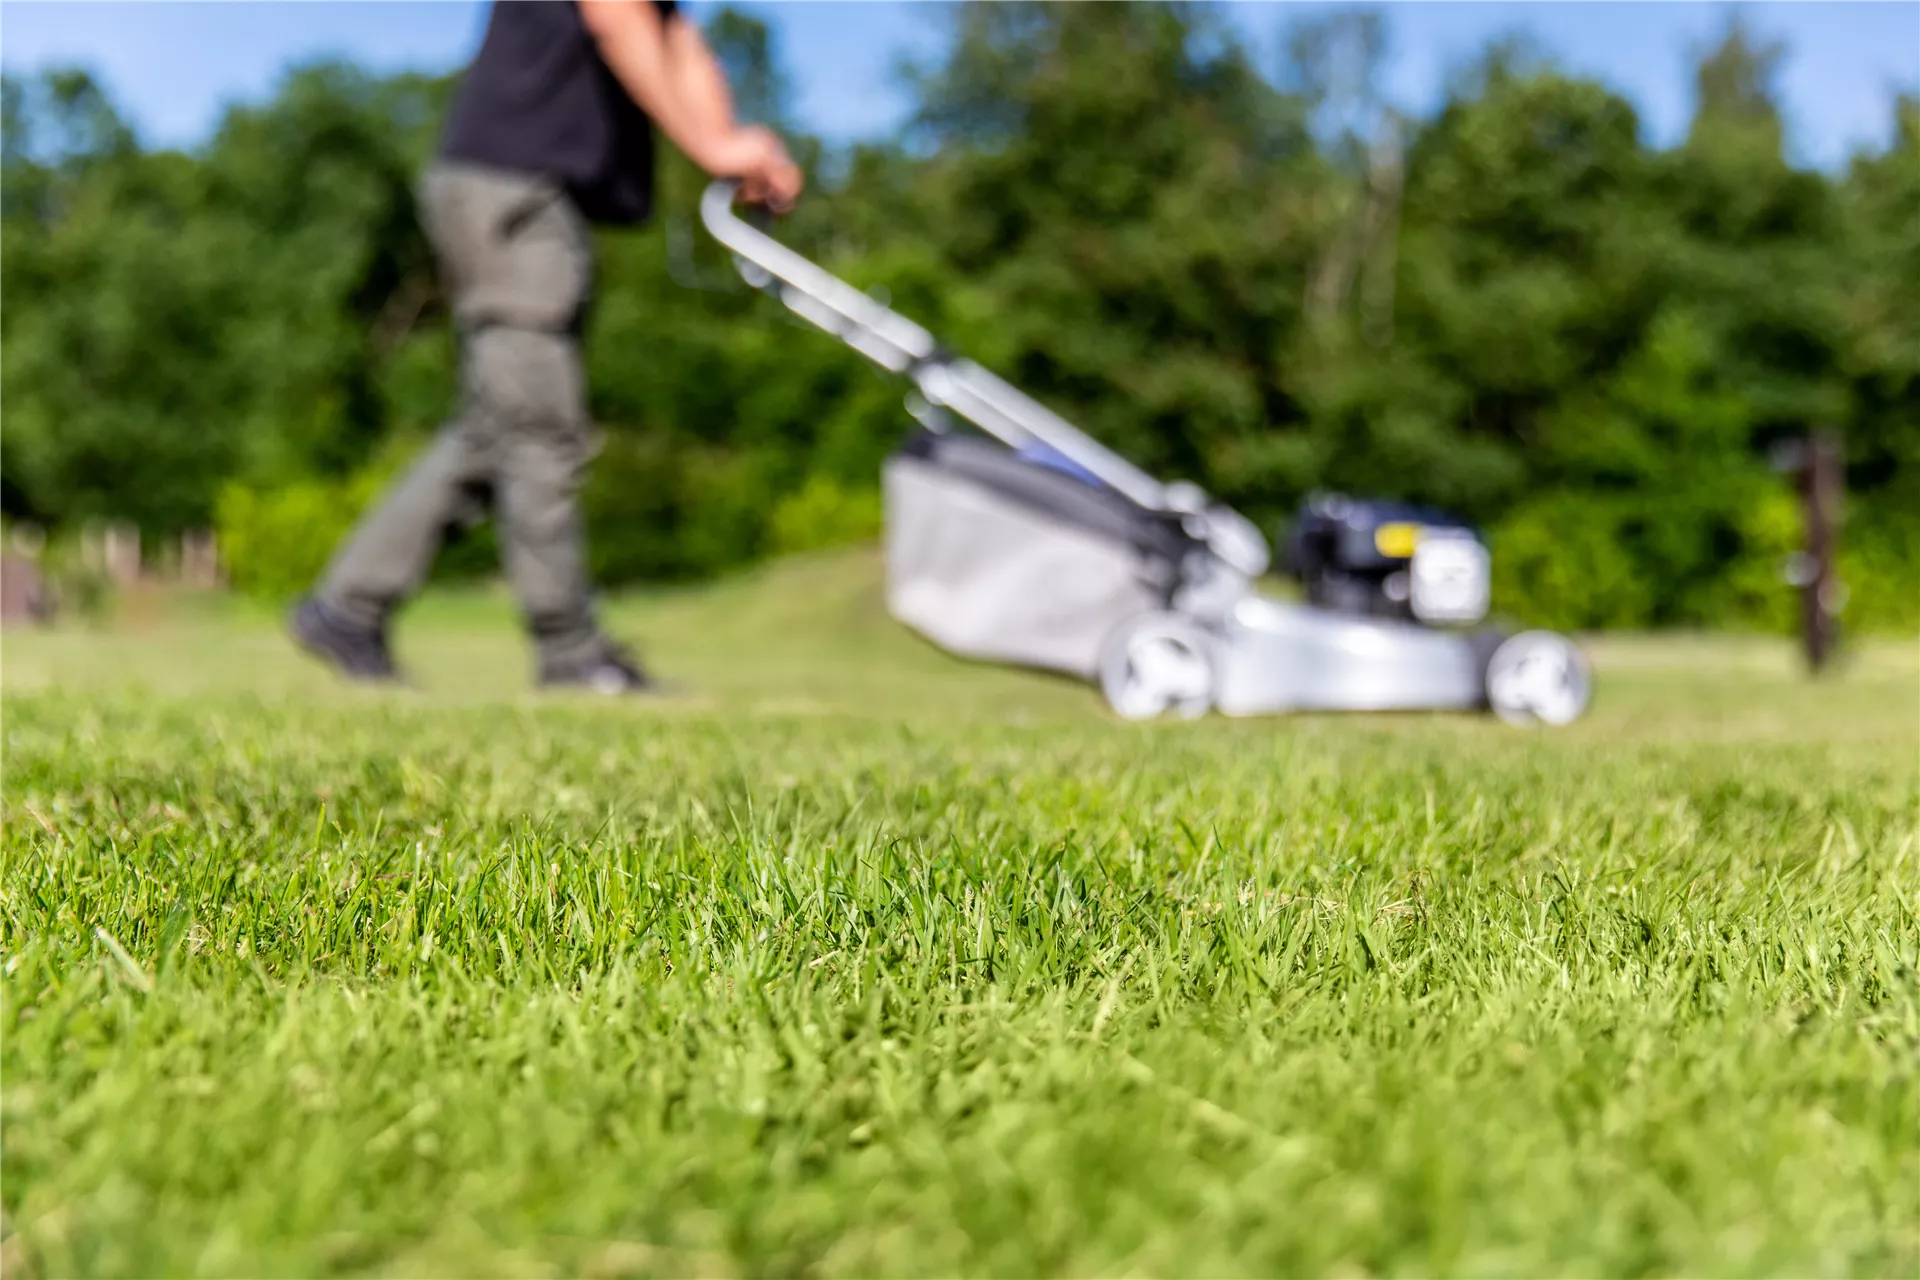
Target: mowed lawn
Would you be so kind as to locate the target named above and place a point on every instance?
(855, 960)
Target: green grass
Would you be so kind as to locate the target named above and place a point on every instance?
(856, 960)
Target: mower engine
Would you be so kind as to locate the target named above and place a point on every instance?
(1388, 560)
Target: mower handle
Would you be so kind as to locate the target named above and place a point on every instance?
(900, 346)
(891, 341)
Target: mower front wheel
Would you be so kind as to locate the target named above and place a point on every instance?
(1538, 677)
(1157, 664)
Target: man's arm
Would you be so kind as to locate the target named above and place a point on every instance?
(701, 84)
(670, 73)
(704, 92)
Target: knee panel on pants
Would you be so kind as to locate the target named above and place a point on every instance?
(526, 380)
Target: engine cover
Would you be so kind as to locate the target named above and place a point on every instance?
(1388, 560)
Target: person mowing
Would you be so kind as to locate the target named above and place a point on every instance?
(551, 132)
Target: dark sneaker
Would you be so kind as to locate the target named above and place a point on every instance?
(612, 672)
(358, 653)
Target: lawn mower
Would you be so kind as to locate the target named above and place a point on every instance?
(1026, 542)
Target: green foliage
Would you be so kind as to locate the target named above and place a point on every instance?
(1691, 521)
(81, 590)
(276, 541)
(1267, 284)
(1562, 561)
(1880, 571)
(825, 513)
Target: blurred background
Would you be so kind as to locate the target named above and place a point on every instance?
(1574, 271)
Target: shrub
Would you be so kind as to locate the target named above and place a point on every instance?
(824, 513)
(276, 541)
(1880, 570)
(1561, 561)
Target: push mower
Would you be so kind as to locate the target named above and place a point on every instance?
(1027, 542)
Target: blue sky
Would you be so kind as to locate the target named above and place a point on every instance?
(173, 64)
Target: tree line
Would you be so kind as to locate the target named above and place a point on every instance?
(1260, 278)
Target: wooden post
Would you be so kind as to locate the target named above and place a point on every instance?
(1823, 486)
(122, 546)
(1816, 465)
(199, 559)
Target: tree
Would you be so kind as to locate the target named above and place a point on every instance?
(1734, 88)
(1140, 204)
(745, 49)
(1514, 308)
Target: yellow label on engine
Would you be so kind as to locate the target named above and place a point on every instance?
(1397, 540)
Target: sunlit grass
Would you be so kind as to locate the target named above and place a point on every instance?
(856, 960)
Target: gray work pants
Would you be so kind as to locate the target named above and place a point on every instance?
(517, 263)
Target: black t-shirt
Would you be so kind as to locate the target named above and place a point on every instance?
(538, 99)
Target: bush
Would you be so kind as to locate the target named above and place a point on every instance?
(1590, 561)
(660, 509)
(824, 513)
(276, 542)
(1880, 569)
(1561, 561)
(727, 499)
(1750, 591)
(79, 590)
